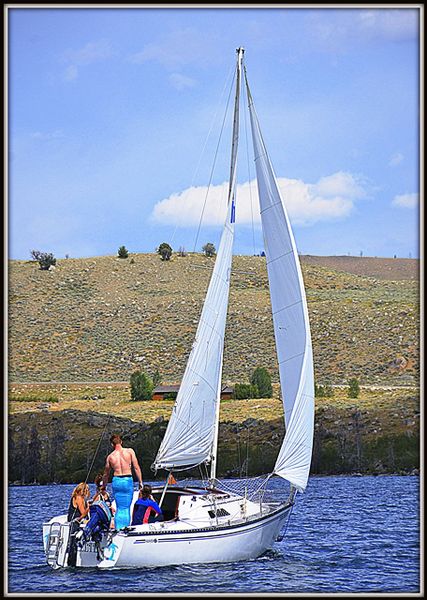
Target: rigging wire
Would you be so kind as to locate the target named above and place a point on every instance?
(98, 446)
(214, 163)
(212, 330)
(194, 265)
(206, 139)
(94, 457)
(247, 452)
(249, 170)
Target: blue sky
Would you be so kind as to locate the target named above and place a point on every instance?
(115, 113)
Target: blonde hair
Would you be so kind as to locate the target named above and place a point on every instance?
(82, 489)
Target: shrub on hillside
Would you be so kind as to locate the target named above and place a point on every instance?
(141, 386)
(243, 391)
(261, 379)
(209, 249)
(353, 388)
(122, 252)
(323, 391)
(157, 378)
(45, 259)
(165, 251)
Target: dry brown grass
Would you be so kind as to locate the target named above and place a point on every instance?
(115, 400)
(390, 406)
(392, 269)
(101, 318)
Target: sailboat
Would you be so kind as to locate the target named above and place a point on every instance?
(214, 522)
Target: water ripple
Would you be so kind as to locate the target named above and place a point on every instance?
(346, 535)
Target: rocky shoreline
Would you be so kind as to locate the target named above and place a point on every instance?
(59, 447)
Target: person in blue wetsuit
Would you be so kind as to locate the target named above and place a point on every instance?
(146, 509)
(120, 461)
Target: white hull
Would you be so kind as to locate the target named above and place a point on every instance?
(194, 537)
(218, 544)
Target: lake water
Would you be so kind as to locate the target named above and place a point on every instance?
(345, 535)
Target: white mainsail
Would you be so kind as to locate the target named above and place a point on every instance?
(290, 319)
(191, 435)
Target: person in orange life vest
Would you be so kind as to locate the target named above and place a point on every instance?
(144, 508)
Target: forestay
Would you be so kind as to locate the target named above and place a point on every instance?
(290, 319)
(191, 435)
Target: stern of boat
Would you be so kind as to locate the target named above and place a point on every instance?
(55, 541)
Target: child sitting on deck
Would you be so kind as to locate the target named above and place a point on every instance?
(144, 506)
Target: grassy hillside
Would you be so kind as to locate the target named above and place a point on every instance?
(396, 409)
(99, 319)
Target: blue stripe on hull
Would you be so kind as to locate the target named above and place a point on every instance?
(226, 530)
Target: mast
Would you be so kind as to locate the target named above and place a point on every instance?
(231, 198)
(191, 436)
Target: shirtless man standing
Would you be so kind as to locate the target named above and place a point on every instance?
(120, 461)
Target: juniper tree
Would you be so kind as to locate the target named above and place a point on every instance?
(262, 380)
(353, 388)
(45, 259)
(242, 391)
(141, 386)
(157, 378)
(165, 251)
(122, 252)
(209, 249)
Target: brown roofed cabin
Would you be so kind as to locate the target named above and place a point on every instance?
(169, 392)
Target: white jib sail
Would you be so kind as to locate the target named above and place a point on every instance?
(191, 435)
(290, 319)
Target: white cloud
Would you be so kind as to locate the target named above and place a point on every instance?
(406, 200)
(332, 197)
(340, 184)
(71, 73)
(396, 159)
(391, 24)
(90, 53)
(177, 49)
(333, 30)
(50, 135)
(181, 82)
